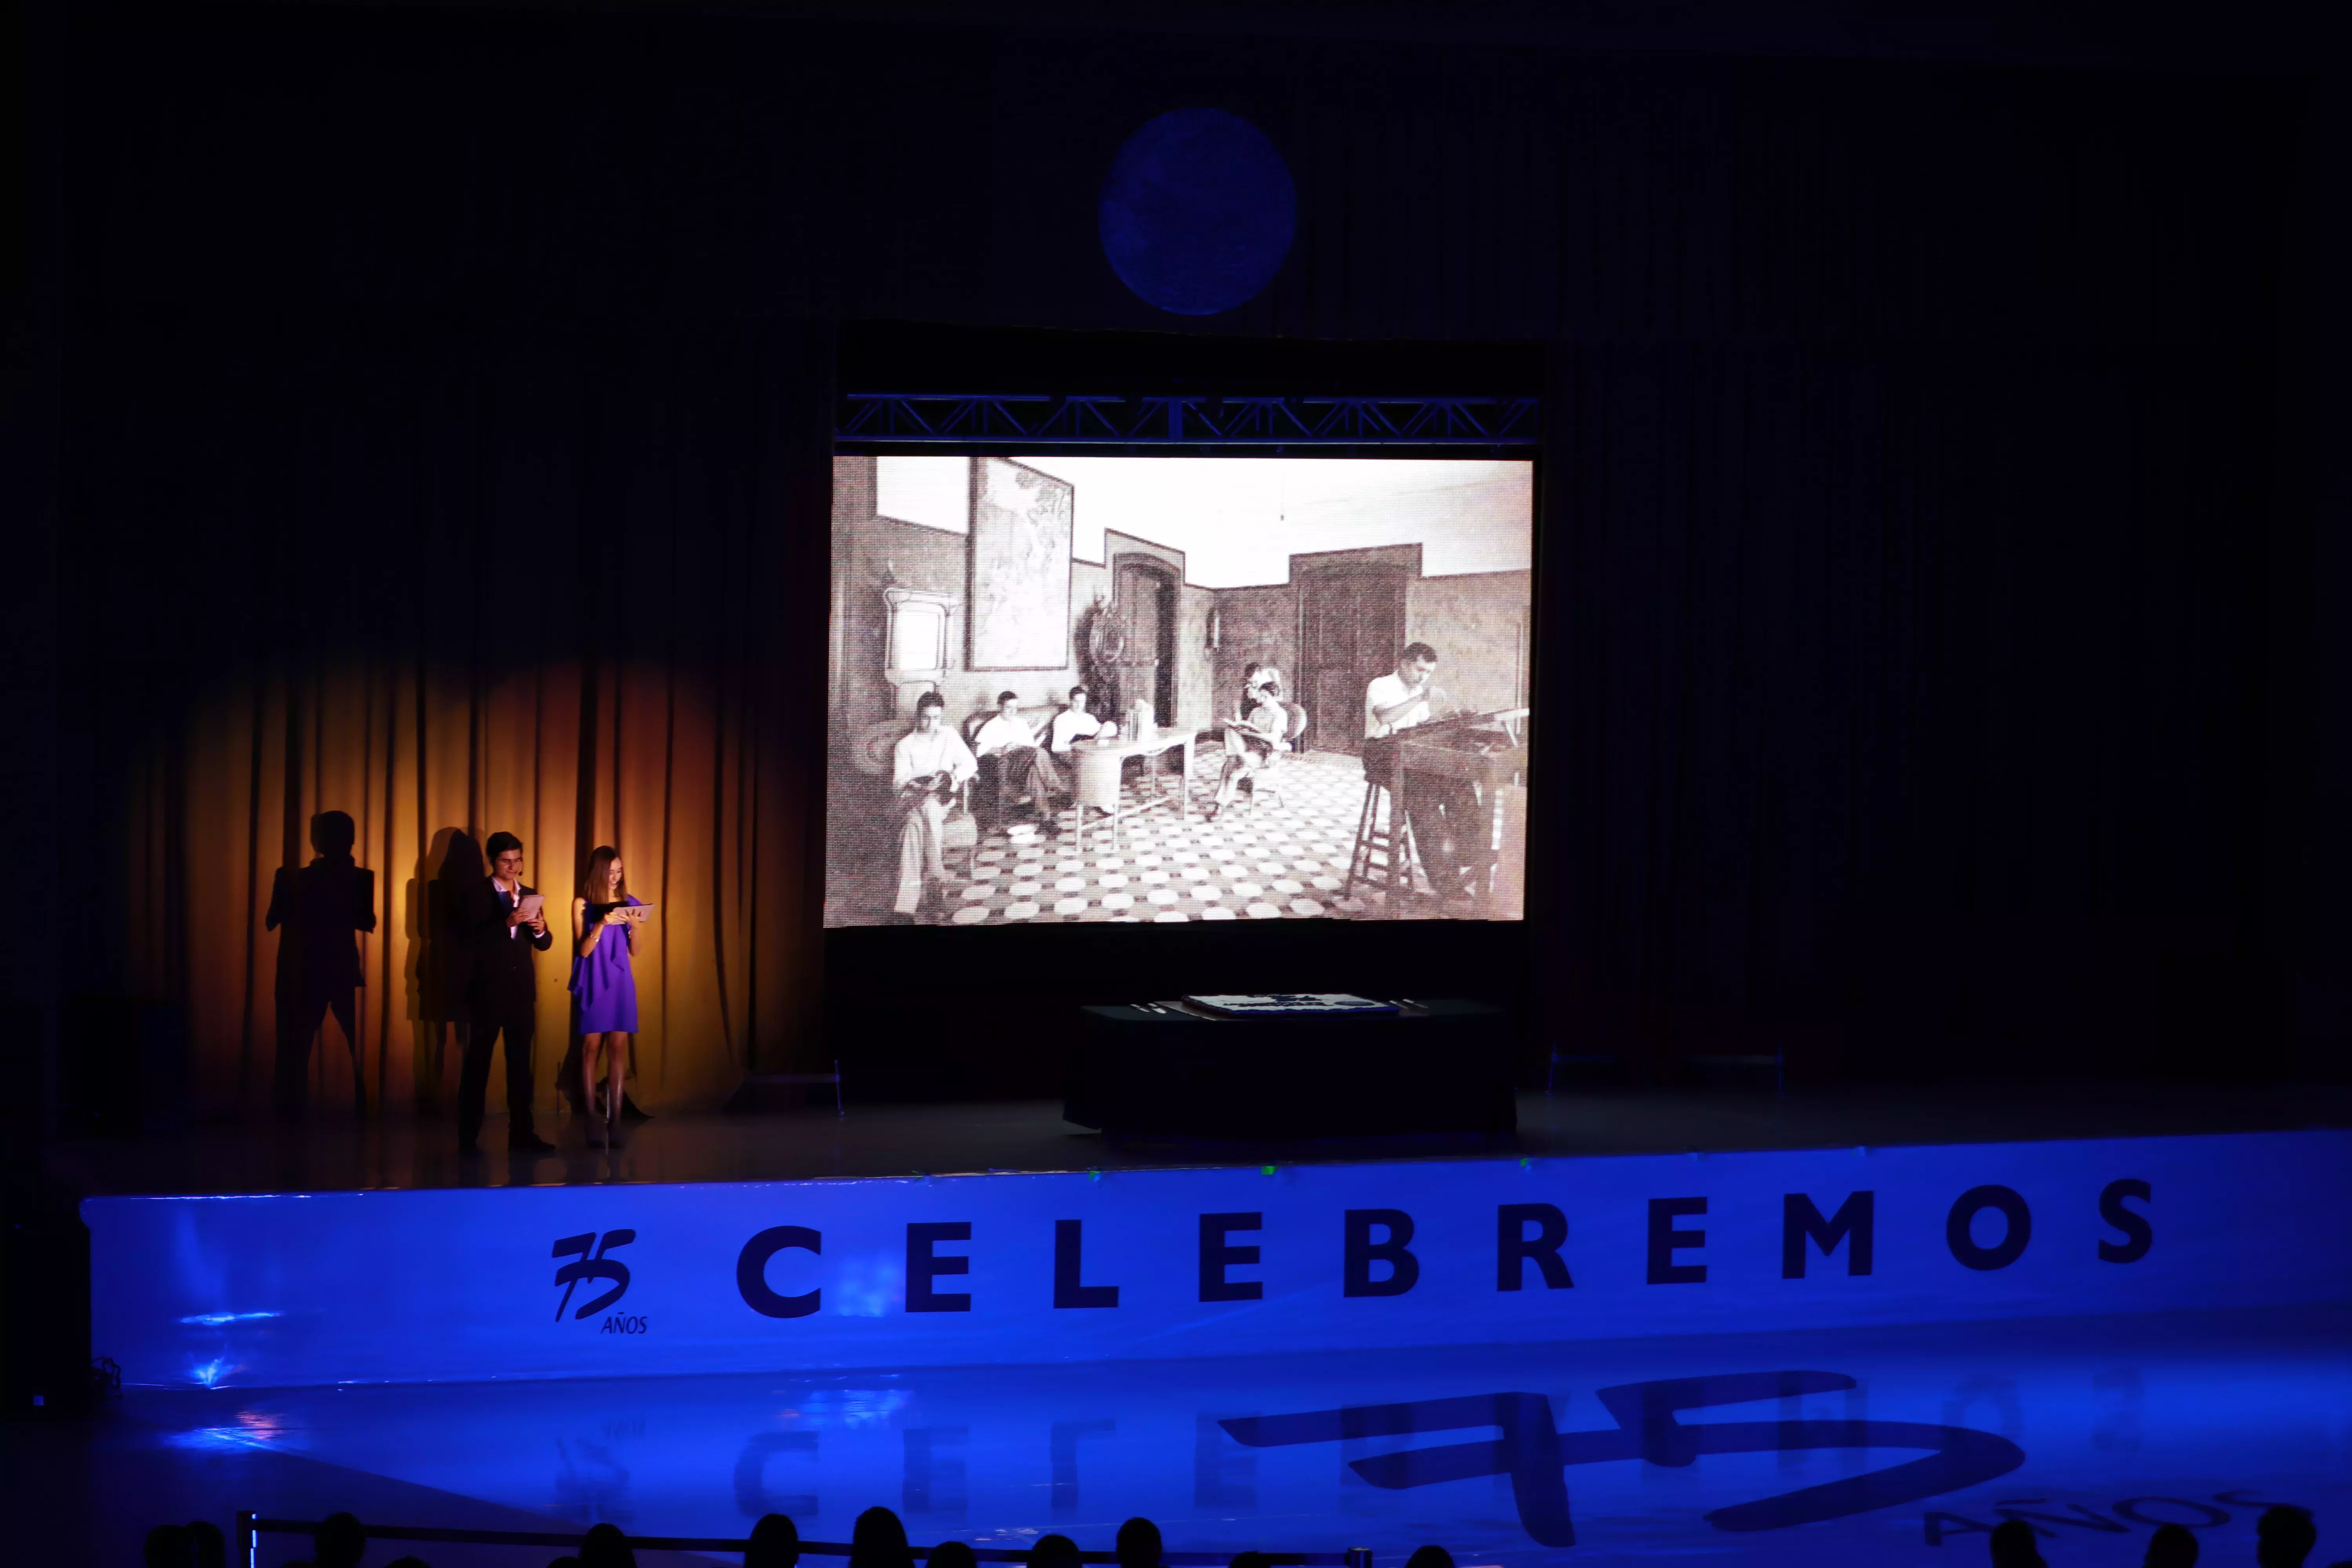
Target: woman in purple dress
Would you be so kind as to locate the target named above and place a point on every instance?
(604, 929)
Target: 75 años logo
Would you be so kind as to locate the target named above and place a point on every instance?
(1533, 1451)
(594, 1265)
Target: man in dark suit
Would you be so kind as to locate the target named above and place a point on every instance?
(501, 995)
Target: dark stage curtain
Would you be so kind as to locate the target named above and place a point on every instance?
(451, 581)
(1914, 705)
(1935, 637)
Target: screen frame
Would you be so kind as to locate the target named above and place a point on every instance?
(906, 1006)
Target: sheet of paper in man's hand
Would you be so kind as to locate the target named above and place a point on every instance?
(531, 906)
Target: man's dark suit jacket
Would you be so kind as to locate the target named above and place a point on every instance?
(501, 987)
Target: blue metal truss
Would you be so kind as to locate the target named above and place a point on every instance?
(1010, 421)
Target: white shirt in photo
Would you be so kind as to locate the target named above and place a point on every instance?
(1387, 692)
(1003, 732)
(919, 755)
(1070, 725)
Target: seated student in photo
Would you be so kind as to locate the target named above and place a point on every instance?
(1071, 725)
(1261, 729)
(1270, 678)
(928, 764)
(1401, 700)
(1023, 768)
(1450, 825)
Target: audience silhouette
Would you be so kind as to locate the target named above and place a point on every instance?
(605, 1547)
(340, 1543)
(2013, 1546)
(878, 1540)
(1140, 1545)
(775, 1543)
(2284, 1537)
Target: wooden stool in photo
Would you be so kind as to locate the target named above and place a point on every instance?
(1393, 844)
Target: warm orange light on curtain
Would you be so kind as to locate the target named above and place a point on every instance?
(566, 756)
(558, 578)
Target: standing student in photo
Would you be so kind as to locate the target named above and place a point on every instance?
(604, 938)
(502, 997)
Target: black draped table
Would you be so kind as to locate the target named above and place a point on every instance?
(1156, 1070)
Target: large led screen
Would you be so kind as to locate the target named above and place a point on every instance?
(1166, 689)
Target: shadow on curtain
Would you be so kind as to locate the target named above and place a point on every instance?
(452, 588)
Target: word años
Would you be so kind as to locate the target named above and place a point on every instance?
(2148, 1512)
(624, 1323)
(1377, 1257)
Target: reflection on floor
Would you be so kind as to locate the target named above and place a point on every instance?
(1875, 1446)
(1279, 854)
(1030, 1135)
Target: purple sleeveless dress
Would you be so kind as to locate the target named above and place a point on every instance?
(604, 983)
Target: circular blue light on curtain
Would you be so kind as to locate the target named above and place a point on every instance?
(1198, 212)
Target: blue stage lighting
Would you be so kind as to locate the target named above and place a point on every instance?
(1198, 212)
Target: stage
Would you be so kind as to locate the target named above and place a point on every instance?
(2099, 1311)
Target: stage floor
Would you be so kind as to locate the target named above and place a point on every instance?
(2099, 1427)
(1030, 1135)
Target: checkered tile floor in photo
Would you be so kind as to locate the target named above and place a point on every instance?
(1277, 858)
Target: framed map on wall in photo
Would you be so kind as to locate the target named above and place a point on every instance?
(1020, 567)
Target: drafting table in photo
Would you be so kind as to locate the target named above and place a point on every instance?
(1490, 751)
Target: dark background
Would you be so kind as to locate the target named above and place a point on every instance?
(1940, 669)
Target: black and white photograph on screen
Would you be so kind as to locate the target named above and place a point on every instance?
(1088, 689)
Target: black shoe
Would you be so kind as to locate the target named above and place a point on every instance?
(529, 1143)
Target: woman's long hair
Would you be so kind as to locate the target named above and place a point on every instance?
(600, 871)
